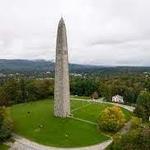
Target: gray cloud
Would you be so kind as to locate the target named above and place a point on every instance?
(109, 32)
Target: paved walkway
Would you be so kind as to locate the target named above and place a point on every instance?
(82, 120)
(24, 144)
(126, 128)
(130, 108)
(80, 107)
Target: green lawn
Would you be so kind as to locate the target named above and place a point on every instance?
(35, 121)
(3, 147)
(91, 112)
(80, 97)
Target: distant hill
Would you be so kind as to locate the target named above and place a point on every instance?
(16, 65)
(21, 66)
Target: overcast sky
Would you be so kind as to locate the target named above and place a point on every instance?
(101, 32)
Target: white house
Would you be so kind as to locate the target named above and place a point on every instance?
(117, 99)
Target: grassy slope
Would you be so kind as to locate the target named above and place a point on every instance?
(35, 121)
(3, 147)
(55, 131)
(80, 97)
(91, 112)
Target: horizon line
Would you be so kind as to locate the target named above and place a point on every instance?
(103, 65)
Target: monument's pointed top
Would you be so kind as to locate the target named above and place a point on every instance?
(61, 18)
(61, 21)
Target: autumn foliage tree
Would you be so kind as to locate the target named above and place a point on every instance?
(111, 119)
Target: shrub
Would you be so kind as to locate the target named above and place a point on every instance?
(5, 124)
(111, 119)
(142, 109)
(135, 122)
(136, 139)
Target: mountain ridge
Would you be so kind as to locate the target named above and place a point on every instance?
(40, 65)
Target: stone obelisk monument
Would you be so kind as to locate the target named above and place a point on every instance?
(62, 88)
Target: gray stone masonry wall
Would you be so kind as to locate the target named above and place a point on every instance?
(62, 89)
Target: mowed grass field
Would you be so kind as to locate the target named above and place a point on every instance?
(35, 121)
(4, 147)
(91, 110)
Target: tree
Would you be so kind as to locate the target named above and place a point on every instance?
(104, 90)
(83, 86)
(142, 109)
(135, 139)
(111, 119)
(39, 89)
(6, 124)
(4, 100)
(11, 88)
(23, 93)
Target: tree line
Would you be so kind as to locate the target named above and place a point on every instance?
(128, 86)
(20, 90)
(15, 91)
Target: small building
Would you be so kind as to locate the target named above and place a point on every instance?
(94, 95)
(117, 99)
